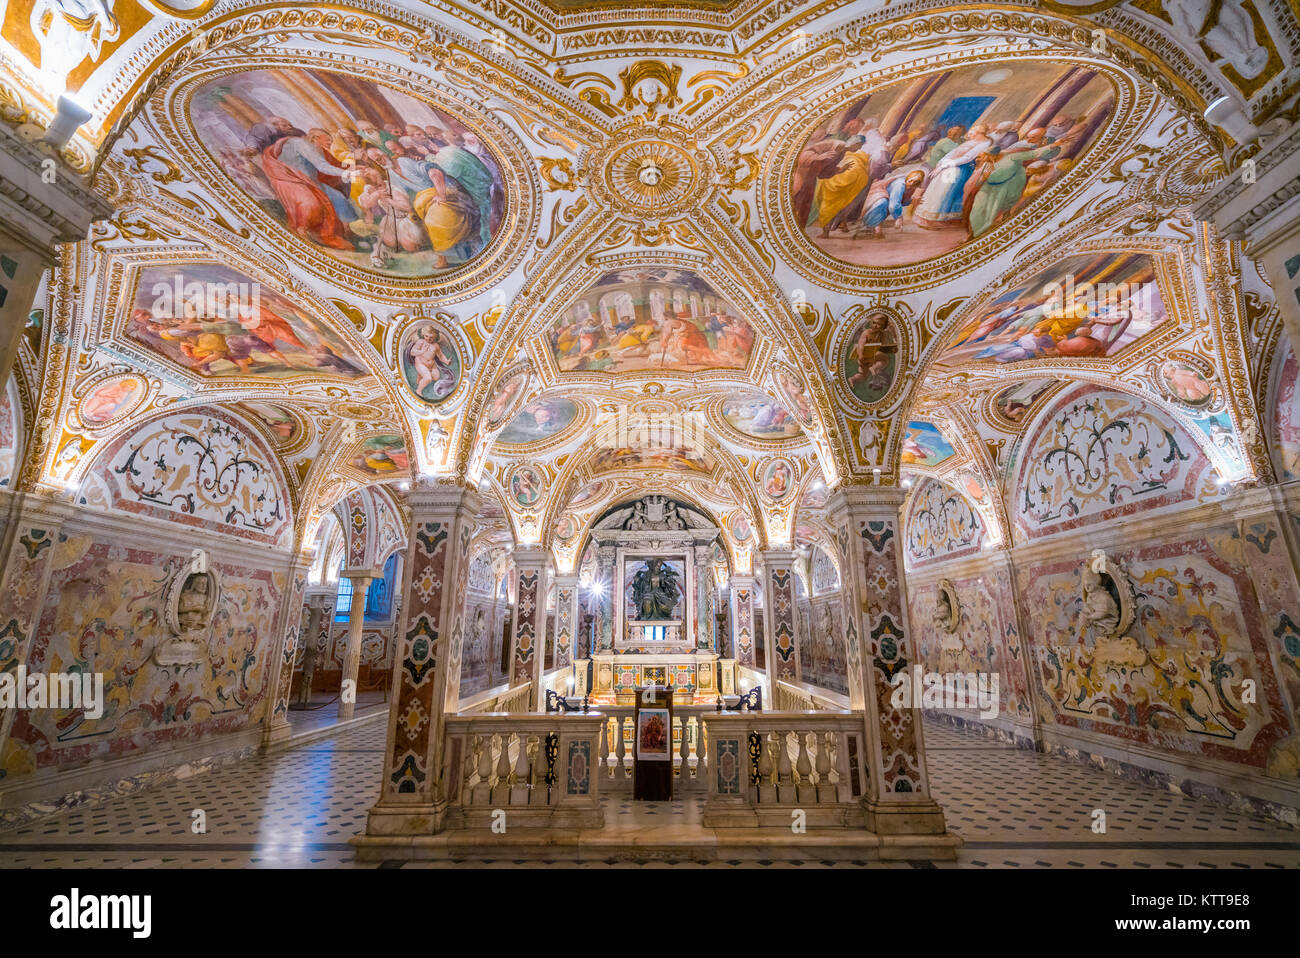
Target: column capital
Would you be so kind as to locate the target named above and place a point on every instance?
(442, 494)
(360, 574)
(531, 557)
(38, 213)
(779, 557)
(867, 500)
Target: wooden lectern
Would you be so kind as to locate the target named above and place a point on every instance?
(652, 765)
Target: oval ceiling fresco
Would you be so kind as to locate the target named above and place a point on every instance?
(540, 419)
(363, 173)
(651, 319)
(914, 170)
(1088, 306)
(215, 321)
(753, 413)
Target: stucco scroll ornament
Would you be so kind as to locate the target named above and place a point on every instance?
(947, 608)
(189, 602)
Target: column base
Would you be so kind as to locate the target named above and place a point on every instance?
(277, 734)
(390, 820)
(904, 818)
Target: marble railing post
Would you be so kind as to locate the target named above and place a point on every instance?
(782, 632)
(742, 619)
(42, 203)
(352, 651)
(528, 658)
(413, 798)
(868, 529)
(566, 619)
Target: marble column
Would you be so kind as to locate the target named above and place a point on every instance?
(1017, 652)
(29, 537)
(566, 619)
(360, 579)
(320, 611)
(426, 660)
(782, 614)
(742, 619)
(528, 660)
(703, 607)
(868, 530)
(43, 203)
(290, 635)
(606, 569)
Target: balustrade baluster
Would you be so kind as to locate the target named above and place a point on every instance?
(684, 752)
(805, 791)
(621, 768)
(784, 771)
(483, 787)
(766, 789)
(825, 790)
(602, 749)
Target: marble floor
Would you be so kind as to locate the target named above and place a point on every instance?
(299, 807)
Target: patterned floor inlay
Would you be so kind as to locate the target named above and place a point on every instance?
(298, 808)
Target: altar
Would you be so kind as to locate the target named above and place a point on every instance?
(656, 621)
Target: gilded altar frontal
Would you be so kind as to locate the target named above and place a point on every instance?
(717, 433)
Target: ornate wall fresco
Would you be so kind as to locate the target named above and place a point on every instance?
(1174, 679)
(214, 321)
(105, 611)
(199, 468)
(1089, 305)
(825, 577)
(916, 169)
(941, 524)
(924, 445)
(1286, 419)
(1101, 455)
(364, 173)
(653, 318)
(540, 419)
(756, 414)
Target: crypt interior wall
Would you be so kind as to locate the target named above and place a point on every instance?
(1213, 589)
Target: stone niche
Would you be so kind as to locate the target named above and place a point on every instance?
(658, 616)
(189, 602)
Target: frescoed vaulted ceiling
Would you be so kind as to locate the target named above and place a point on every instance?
(801, 246)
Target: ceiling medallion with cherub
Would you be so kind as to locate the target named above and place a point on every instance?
(650, 172)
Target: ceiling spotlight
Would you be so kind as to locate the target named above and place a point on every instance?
(70, 115)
